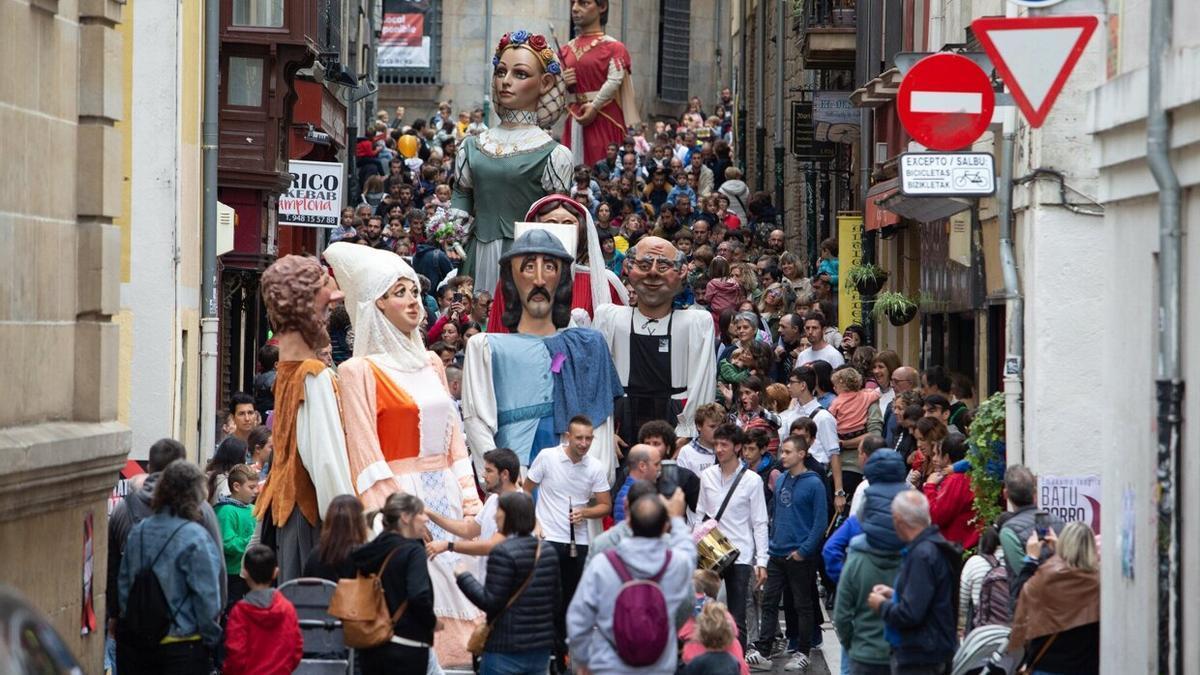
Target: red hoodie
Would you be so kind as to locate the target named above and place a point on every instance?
(263, 640)
(952, 509)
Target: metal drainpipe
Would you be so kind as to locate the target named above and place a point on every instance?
(760, 130)
(740, 81)
(1169, 384)
(1014, 303)
(208, 280)
(780, 63)
(487, 59)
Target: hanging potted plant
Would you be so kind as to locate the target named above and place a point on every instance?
(897, 307)
(867, 279)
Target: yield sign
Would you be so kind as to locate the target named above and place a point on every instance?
(945, 101)
(1035, 56)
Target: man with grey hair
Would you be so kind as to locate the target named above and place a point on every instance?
(1020, 488)
(920, 613)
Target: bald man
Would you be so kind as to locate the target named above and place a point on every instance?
(642, 462)
(904, 378)
(663, 355)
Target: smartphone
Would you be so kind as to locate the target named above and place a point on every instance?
(668, 478)
(1041, 521)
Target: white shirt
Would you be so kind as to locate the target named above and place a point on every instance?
(826, 444)
(695, 457)
(692, 366)
(886, 398)
(744, 522)
(827, 354)
(562, 486)
(320, 440)
(486, 519)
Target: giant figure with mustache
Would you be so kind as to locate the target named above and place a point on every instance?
(521, 388)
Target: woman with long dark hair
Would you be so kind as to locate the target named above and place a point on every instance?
(230, 453)
(343, 529)
(397, 555)
(522, 636)
(175, 547)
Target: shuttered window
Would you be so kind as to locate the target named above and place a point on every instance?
(674, 54)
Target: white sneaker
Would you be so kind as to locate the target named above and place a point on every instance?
(799, 662)
(757, 661)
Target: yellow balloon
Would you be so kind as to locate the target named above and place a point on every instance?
(408, 146)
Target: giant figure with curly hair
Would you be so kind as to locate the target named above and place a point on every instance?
(310, 465)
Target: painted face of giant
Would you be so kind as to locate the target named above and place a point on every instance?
(564, 216)
(655, 273)
(519, 79)
(536, 278)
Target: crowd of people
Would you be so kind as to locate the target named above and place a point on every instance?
(836, 472)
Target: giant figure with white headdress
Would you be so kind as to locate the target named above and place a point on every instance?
(402, 428)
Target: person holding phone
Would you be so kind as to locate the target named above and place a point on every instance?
(1020, 486)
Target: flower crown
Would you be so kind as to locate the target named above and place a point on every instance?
(535, 43)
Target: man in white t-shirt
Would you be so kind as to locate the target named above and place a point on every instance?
(819, 349)
(824, 450)
(572, 488)
(478, 535)
(697, 455)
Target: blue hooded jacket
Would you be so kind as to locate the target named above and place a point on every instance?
(800, 515)
(885, 471)
(836, 546)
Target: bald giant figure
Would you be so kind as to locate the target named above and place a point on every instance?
(664, 356)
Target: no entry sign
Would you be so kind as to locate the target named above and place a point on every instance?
(946, 101)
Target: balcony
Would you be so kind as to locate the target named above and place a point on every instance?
(828, 30)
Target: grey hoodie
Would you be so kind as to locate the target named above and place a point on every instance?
(739, 197)
(590, 616)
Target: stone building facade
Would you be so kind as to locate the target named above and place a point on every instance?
(465, 53)
(60, 444)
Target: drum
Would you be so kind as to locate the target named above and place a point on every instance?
(713, 550)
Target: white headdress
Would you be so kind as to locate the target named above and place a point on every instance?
(364, 274)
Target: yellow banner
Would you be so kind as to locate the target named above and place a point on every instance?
(850, 254)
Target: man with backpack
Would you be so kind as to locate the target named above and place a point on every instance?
(620, 620)
(920, 614)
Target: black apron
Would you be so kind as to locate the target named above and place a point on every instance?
(649, 394)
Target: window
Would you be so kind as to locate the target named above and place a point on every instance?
(674, 49)
(245, 81)
(258, 13)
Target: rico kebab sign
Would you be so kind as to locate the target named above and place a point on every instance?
(315, 197)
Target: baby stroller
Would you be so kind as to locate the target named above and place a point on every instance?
(977, 649)
(325, 651)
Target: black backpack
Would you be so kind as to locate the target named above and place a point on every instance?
(147, 617)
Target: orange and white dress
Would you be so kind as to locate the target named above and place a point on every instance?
(403, 434)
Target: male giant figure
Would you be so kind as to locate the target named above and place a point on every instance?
(663, 355)
(310, 465)
(521, 388)
(596, 70)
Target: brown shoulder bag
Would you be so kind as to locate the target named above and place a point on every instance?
(362, 606)
(479, 637)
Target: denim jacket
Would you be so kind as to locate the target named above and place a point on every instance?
(188, 570)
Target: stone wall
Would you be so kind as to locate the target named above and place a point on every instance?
(60, 448)
(466, 51)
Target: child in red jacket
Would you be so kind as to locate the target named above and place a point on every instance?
(262, 635)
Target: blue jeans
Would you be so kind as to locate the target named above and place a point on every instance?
(532, 662)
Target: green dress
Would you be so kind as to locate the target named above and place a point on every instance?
(499, 174)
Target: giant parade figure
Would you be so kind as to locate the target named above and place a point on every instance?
(310, 465)
(500, 172)
(593, 284)
(662, 355)
(402, 428)
(596, 69)
(521, 388)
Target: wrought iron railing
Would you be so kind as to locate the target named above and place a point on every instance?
(827, 13)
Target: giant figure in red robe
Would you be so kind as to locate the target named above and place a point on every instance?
(596, 70)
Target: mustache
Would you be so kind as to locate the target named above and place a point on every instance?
(539, 291)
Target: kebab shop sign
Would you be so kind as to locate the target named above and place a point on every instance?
(315, 197)
(1071, 498)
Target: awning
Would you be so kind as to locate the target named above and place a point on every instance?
(876, 216)
(878, 91)
(924, 209)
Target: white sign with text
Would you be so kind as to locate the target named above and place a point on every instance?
(947, 174)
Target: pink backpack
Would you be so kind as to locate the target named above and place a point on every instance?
(641, 624)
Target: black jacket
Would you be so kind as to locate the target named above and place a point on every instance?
(529, 623)
(406, 578)
(921, 621)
